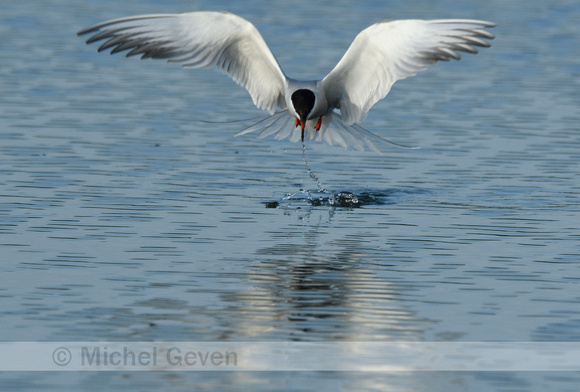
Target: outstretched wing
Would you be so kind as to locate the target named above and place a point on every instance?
(393, 50)
(200, 39)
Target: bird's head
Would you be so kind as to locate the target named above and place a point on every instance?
(303, 102)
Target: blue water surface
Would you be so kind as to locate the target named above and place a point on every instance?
(125, 215)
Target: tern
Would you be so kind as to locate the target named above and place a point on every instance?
(379, 56)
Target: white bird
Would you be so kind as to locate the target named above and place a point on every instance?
(379, 56)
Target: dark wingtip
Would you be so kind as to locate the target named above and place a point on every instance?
(86, 30)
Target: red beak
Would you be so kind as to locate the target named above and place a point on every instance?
(302, 124)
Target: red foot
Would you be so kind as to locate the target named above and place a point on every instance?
(318, 124)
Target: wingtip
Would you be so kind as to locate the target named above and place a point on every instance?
(87, 30)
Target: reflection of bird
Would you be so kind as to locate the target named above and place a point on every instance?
(379, 56)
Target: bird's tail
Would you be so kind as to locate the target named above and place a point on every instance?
(333, 131)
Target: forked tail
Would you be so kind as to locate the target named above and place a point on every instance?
(333, 131)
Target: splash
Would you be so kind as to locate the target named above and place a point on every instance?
(309, 170)
(320, 198)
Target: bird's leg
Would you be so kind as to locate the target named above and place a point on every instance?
(318, 123)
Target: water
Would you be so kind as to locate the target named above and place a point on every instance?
(125, 217)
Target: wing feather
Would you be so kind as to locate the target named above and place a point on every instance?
(393, 50)
(200, 39)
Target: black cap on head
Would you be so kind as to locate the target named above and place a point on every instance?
(303, 101)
